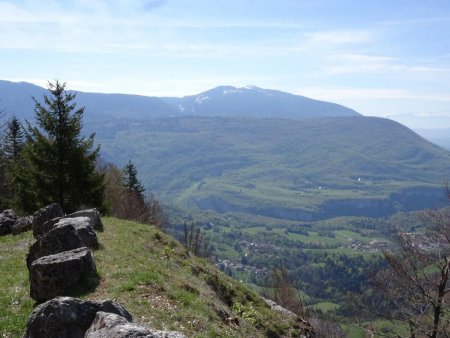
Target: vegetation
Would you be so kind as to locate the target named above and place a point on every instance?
(197, 300)
(131, 181)
(58, 164)
(416, 284)
(3, 180)
(295, 170)
(124, 197)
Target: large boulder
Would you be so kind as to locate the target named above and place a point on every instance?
(82, 226)
(110, 325)
(43, 215)
(61, 274)
(7, 219)
(93, 215)
(22, 224)
(66, 317)
(62, 238)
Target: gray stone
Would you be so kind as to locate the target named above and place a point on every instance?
(60, 274)
(66, 317)
(62, 238)
(7, 219)
(22, 224)
(93, 215)
(43, 215)
(279, 308)
(109, 325)
(82, 226)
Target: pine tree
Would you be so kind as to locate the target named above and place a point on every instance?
(132, 182)
(58, 163)
(2, 165)
(14, 139)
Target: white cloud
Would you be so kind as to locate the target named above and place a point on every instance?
(336, 94)
(341, 64)
(340, 37)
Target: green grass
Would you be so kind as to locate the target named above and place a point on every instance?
(15, 303)
(162, 284)
(326, 306)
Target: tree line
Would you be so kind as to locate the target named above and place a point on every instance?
(52, 161)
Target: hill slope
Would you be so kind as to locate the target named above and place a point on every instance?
(305, 169)
(156, 279)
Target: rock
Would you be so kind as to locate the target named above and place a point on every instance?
(62, 238)
(60, 274)
(93, 215)
(7, 219)
(50, 224)
(279, 308)
(82, 226)
(109, 325)
(22, 224)
(66, 317)
(43, 215)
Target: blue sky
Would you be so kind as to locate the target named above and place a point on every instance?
(380, 57)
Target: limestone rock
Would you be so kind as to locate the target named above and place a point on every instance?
(109, 325)
(60, 274)
(93, 215)
(7, 219)
(83, 227)
(62, 238)
(43, 215)
(66, 317)
(279, 308)
(22, 224)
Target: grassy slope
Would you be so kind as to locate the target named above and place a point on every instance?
(155, 278)
(258, 165)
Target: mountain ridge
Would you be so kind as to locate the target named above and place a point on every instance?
(249, 101)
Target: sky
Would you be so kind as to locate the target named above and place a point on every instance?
(379, 57)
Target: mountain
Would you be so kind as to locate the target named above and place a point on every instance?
(289, 169)
(221, 101)
(256, 102)
(260, 152)
(16, 98)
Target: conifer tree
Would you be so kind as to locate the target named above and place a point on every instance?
(132, 182)
(14, 139)
(58, 163)
(2, 165)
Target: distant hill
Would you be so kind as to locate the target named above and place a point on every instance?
(302, 170)
(260, 152)
(15, 98)
(221, 101)
(255, 102)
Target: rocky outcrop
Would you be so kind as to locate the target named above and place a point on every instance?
(94, 217)
(22, 224)
(60, 274)
(304, 325)
(7, 220)
(59, 262)
(66, 317)
(109, 325)
(274, 306)
(82, 226)
(62, 238)
(43, 215)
